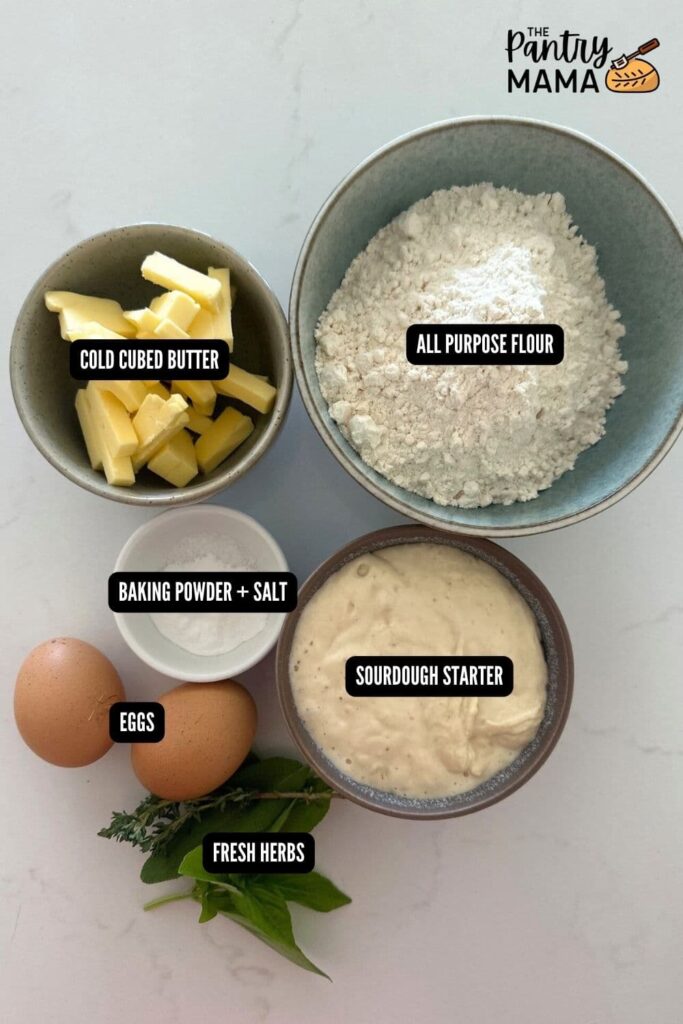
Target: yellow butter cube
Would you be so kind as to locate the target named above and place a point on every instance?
(155, 387)
(223, 317)
(197, 423)
(176, 461)
(91, 330)
(113, 421)
(178, 307)
(200, 392)
(142, 319)
(226, 434)
(117, 469)
(247, 387)
(131, 393)
(75, 309)
(85, 418)
(203, 326)
(168, 329)
(169, 273)
(155, 423)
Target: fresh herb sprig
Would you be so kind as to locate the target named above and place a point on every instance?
(154, 822)
(274, 795)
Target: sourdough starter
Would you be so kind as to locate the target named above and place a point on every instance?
(417, 599)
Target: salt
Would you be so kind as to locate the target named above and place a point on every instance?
(208, 634)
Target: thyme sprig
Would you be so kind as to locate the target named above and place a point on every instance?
(155, 822)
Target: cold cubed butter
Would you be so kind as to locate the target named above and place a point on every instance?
(247, 387)
(169, 273)
(223, 316)
(131, 393)
(92, 331)
(225, 435)
(142, 319)
(178, 307)
(168, 329)
(155, 387)
(203, 326)
(75, 309)
(118, 469)
(87, 424)
(197, 423)
(176, 462)
(155, 423)
(200, 392)
(112, 421)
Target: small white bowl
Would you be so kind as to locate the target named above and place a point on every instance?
(152, 547)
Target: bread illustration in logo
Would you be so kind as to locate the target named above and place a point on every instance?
(630, 73)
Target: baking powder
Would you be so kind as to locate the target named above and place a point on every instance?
(209, 633)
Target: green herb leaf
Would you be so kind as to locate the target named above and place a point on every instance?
(305, 815)
(163, 866)
(167, 830)
(312, 890)
(208, 909)
(192, 867)
(265, 914)
(270, 774)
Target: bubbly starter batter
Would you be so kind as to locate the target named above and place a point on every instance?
(417, 599)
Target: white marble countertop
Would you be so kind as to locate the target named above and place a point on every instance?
(560, 905)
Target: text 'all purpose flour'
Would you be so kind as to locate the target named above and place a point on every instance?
(471, 435)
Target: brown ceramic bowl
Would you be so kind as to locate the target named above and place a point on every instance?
(558, 653)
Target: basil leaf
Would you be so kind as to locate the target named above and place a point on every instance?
(265, 914)
(280, 822)
(305, 815)
(312, 890)
(208, 909)
(191, 866)
(269, 774)
(274, 774)
(163, 866)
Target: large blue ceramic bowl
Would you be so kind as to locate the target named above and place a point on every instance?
(640, 253)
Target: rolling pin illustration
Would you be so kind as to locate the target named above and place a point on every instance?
(630, 73)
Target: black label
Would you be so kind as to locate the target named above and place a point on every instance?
(258, 853)
(484, 344)
(202, 591)
(136, 722)
(435, 676)
(149, 359)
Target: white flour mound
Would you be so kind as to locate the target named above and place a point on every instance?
(471, 435)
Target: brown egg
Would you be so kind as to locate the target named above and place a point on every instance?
(62, 697)
(209, 731)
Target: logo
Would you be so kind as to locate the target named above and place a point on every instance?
(629, 73)
(569, 62)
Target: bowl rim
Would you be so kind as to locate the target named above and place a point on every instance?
(328, 436)
(417, 533)
(121, 618)
(171, 497)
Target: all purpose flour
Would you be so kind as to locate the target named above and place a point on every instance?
(471, 435)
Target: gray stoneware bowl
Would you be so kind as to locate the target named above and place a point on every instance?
(558, 653)
(108, 264)
(639, 255)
